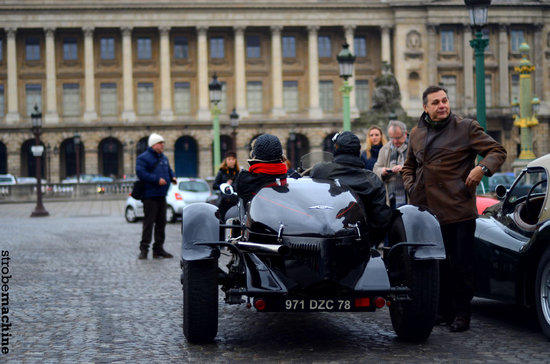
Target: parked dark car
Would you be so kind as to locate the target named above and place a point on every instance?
(513, 244)
(305, 247)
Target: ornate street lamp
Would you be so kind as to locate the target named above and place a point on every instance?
(478, 19)
(526, 110)
(215, 88)
(76, 140)
(37, 151)
(345, 62)
(234, 120)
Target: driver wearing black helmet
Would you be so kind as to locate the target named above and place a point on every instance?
(350, 170)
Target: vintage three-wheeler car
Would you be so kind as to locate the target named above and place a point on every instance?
(512, 244)
(304, 246)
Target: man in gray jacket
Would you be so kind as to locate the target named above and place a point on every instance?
(390, 162)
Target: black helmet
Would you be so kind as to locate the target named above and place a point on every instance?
(267, 148)
(347, 143)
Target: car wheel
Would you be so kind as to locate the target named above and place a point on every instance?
(200, 300)
(130, 214)
(170, 214)
(414, 319)
(542, 292)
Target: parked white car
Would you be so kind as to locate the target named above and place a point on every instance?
(7, 179)
(186, 191)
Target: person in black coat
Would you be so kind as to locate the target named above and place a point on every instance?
(229, 169)
(266, 169)
(349, 169)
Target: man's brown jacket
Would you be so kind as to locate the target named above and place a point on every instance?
(438, 161)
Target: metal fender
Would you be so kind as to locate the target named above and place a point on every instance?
(199, 224)
(421, 233)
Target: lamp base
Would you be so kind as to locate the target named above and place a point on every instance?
(39, 211)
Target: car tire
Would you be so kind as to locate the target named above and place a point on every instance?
(414, 319)
(200, 300)
(170, 214)
(542, 292)
(130, 214)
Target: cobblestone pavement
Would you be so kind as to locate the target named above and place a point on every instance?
(78, 293)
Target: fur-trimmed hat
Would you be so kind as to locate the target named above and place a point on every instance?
(154, 139)
(267, 148)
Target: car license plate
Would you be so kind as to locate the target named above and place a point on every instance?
(318, 304)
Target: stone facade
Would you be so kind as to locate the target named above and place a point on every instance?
(115, 71)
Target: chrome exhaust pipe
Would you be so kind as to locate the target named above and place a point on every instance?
(264, 248)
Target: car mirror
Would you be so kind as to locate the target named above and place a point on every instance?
(226, 189)
(501, 191)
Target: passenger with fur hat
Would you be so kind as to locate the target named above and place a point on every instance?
(153, 169)
(266, 169)
(349, 169)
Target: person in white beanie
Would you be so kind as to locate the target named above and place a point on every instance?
(152, 167)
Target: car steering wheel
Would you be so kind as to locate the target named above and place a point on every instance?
(528, 201)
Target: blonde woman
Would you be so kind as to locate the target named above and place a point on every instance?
(375, 140)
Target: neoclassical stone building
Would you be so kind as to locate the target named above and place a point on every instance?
(116, 70)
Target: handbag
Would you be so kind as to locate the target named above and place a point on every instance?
(138, 190)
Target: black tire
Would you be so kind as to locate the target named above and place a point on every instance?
(200, 300)
(130, 214)
(542, 292)
(414, 320)
(170, 214)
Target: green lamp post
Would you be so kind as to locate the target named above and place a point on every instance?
(478, 10)
(345, 61)
(215, 88)
(526, 109)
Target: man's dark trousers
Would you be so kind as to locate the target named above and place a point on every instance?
(457, 271)
(154, 210)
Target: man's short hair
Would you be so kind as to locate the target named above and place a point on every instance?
(431, 90)
(397, 124)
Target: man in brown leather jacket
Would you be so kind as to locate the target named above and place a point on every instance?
(440, 174)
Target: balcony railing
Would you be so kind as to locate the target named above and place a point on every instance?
(52, 191)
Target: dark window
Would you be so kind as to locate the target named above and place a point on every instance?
(324, 46)
(32, 49)
(216, 47)
(144, 50)
(253, 46)
(289, 46)
(107, 48)
(70, 52)
(360, 46)
(181, 48)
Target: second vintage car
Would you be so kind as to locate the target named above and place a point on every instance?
(512, 244)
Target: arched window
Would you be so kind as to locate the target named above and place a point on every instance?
(110, 157)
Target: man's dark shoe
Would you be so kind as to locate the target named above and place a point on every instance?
(460, 324)
(162, 254)
(142, 255)
(444, 320)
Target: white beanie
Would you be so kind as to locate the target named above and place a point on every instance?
(154, 139)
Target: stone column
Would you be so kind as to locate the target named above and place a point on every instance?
(315, 111)
(128, 113)
(240, 74)
(51, 116)
(468, 69)
(202, 79)
(503, 79)
(349, 33)
(538, 59)
(13, 110)
(166, 112)
(386, 43)
(90, 114)
(432, 54)
(277, 72)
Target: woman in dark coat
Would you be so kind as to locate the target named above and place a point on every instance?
(375, 141)
(229, 170)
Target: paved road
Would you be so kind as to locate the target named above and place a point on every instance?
(79, 294)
